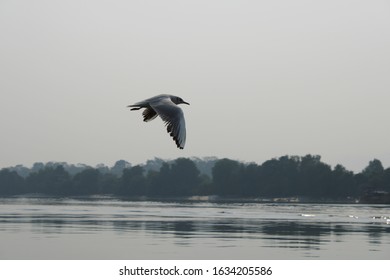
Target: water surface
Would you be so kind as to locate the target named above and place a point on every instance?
(108, 228)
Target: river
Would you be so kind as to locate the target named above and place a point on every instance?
(111, 228)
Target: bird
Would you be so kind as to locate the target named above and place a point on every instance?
(165, 105)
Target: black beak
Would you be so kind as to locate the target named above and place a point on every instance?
(186, 103)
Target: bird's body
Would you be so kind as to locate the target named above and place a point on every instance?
(165, 106)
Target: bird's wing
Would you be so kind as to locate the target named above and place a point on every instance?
(146, 102)
(149, 114)
(173, 117)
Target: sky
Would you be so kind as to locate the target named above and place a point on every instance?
(264, 79)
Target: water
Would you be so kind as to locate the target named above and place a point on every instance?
(108, 228)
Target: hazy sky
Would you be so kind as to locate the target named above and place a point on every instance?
(264, 79)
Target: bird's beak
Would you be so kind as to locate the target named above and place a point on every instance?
(186, 103)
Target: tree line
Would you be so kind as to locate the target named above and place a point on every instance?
(286, 176)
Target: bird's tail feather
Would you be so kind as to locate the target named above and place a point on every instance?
(135, 107)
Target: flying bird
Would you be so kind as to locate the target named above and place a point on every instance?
(165, 106)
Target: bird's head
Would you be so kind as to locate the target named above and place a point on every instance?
(178, 100)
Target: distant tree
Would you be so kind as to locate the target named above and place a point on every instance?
(342, 184)
(102, 168)
(54, 181)
(185, 176)
(180, 178)
(109, 184)
(315, 176)
(226, 177)
(205, 165)
(21, 170)
(119, 166)
(86, 182)
(374, 175)
(205, 186)
(133, 181)
(280, 177)
(250, 179)
(10, 182)
(74, 169)
(153, 165)
(386, 180)
(160, 183)
(374, 168)
(152, 182)
(37, 166)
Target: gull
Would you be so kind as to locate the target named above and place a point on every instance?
(165, 106)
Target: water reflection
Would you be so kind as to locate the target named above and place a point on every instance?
(295, 233)
(246, 229)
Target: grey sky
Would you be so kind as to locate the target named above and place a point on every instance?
(264, 79)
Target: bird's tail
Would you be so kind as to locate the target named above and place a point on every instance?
(135, 107)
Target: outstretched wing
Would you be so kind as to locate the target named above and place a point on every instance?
(173, 117)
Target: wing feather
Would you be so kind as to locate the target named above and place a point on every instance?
(173, 117)
(149, 114)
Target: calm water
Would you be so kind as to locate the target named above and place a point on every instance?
(107, 228)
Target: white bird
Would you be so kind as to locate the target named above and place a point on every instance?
(165, 106)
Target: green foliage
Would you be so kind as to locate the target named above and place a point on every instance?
(226, 177)
(374, 174)
(280, 177)
(10, 182)
(185, 176)
(133, 181)
(86, 182)
(286, 176)
(50, 180)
